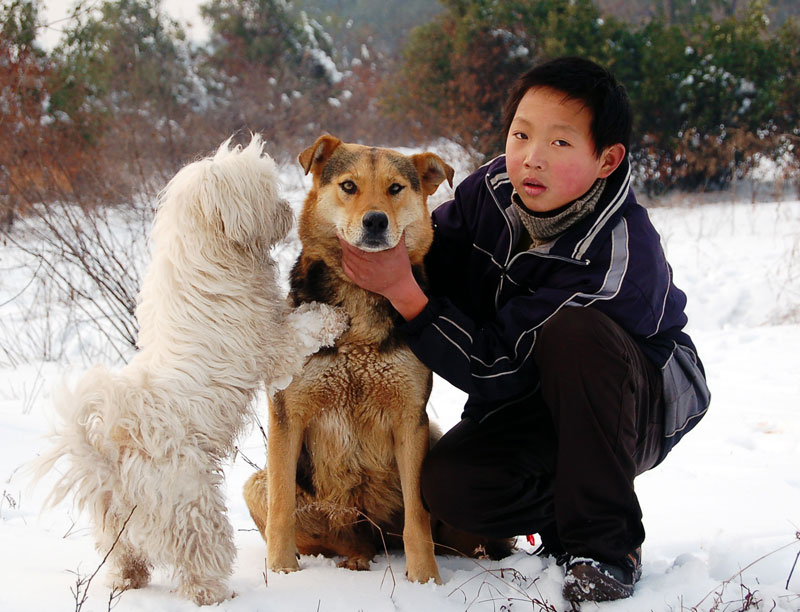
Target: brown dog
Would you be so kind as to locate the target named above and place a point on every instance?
(347, 438)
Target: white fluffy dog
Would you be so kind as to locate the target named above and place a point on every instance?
(145, 444)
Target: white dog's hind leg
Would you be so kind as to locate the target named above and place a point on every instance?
(202, 537)
(127, 568)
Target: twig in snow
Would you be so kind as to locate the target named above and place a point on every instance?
(797, 556)
(517, 582)
(748, 600)
(81, 591)
(340, 513)
(245, 458)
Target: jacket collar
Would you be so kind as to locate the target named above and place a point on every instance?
(580, 241)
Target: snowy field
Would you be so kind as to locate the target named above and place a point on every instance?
(722, 513)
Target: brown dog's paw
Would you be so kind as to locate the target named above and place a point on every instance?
(285, 567)
(357, 563)
(423, 574)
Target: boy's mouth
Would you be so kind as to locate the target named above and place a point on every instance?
(533, 187)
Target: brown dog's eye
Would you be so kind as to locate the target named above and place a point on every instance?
(396, 188)
(348, 187)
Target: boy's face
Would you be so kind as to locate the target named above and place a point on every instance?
(550, 152)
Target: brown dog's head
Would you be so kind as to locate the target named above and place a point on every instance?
(370, 196)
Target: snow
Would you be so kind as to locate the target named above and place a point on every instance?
(56, 13)
(722, 513)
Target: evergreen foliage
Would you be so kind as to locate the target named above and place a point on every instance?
(123, 59)
(125, 99)
(385, 25)
(269, 34)
(713, 96)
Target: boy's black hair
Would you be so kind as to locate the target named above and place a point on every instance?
(588, 83)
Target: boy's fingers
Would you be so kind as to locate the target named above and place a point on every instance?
(371, 256)
(354, 253)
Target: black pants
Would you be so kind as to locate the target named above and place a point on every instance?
(560, 462)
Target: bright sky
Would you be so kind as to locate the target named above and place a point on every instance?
(56, 12)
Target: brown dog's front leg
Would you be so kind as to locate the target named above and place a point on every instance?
(411, 444)
(283, 450)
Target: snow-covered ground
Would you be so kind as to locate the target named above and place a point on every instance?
(722, 513)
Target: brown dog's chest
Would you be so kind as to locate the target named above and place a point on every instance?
(352, 402)
(365, 386)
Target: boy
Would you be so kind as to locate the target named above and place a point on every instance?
(552, 305)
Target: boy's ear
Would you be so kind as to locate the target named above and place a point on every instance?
(611, 158)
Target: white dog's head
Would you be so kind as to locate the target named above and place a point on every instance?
(234, 194)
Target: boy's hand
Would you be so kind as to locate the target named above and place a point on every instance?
(387, 273)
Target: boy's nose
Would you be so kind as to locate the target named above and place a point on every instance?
(535, 159)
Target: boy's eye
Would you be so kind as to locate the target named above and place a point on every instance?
(349, 187)
(395, 188)
(520, 136)
(561, 143)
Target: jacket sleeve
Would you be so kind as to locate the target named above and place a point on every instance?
(489, 359)
(494, 360)
(453, 230)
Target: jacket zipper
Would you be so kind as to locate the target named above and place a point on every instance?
(509, 260)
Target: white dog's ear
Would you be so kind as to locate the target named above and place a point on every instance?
(314, 157)
(238, 195)
(222, 207)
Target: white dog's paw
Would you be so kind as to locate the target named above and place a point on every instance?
(334, 323)
(278, 384)
(318, 324)
(205, 592)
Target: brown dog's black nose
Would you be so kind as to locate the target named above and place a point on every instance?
(375, 222)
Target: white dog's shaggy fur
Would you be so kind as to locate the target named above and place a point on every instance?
(147, 442)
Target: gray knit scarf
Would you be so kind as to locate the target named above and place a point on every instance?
(544, 227)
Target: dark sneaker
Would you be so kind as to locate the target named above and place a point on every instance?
(590, 580)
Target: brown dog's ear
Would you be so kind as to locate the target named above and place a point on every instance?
(318, 153)
(432, 170)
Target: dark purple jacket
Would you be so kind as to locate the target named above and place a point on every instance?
(487, 304)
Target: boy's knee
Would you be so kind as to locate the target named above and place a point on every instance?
(584, 362)
(570, 332)
(437, 479)
(450, 489)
